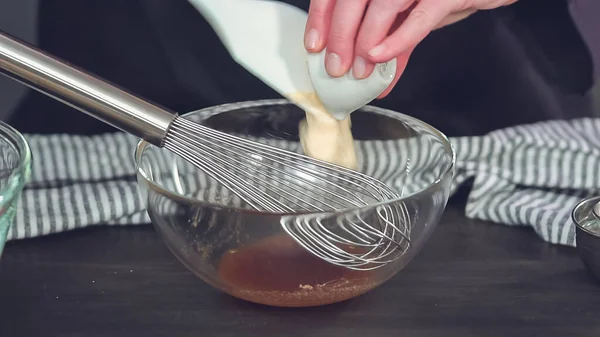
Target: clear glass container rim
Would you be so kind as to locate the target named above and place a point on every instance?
(20, 174)
(142, 145)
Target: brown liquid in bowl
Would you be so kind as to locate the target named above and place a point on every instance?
(277, 271)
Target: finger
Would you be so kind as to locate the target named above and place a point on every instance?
(379, 18)
(401, 63)
(426, 15)
(455, 17)
(346, 18)
(491, 4)
(463, 14)
(317, 24)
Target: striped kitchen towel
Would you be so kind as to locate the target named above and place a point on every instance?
(530, 175)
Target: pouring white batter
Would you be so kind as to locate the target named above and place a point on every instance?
(324, 137)
(267, 38)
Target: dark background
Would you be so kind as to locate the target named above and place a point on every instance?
(514, 65)
(472, 279)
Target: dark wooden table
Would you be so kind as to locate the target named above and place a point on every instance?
(472, 279)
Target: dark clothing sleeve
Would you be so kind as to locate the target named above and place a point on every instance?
(518, 64)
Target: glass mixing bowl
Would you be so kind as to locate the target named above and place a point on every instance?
(248, 254)
(15, 168)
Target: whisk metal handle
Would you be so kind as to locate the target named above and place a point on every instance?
(83, 91)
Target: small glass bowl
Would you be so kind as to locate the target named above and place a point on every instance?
(15, 169)
(248, 254)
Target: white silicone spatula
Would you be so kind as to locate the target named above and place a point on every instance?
(342, 95)
(267, 38)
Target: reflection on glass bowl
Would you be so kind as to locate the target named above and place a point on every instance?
(247, 253)
(15, 168)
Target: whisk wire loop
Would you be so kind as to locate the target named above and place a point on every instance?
(275, 180)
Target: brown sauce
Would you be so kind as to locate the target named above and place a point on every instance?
(277, 271)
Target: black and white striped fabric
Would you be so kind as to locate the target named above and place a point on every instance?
(530, 175)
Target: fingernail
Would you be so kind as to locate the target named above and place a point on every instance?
(312, 39)
(333, 64)
(359, 68)
(377, 50)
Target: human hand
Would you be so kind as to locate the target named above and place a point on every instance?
(361, 33)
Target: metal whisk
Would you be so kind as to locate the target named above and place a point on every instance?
(265, 177)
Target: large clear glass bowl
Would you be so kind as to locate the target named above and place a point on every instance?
(248, 254)
(15, 168)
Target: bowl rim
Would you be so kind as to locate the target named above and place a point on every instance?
(19, 175)
(142, 145)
